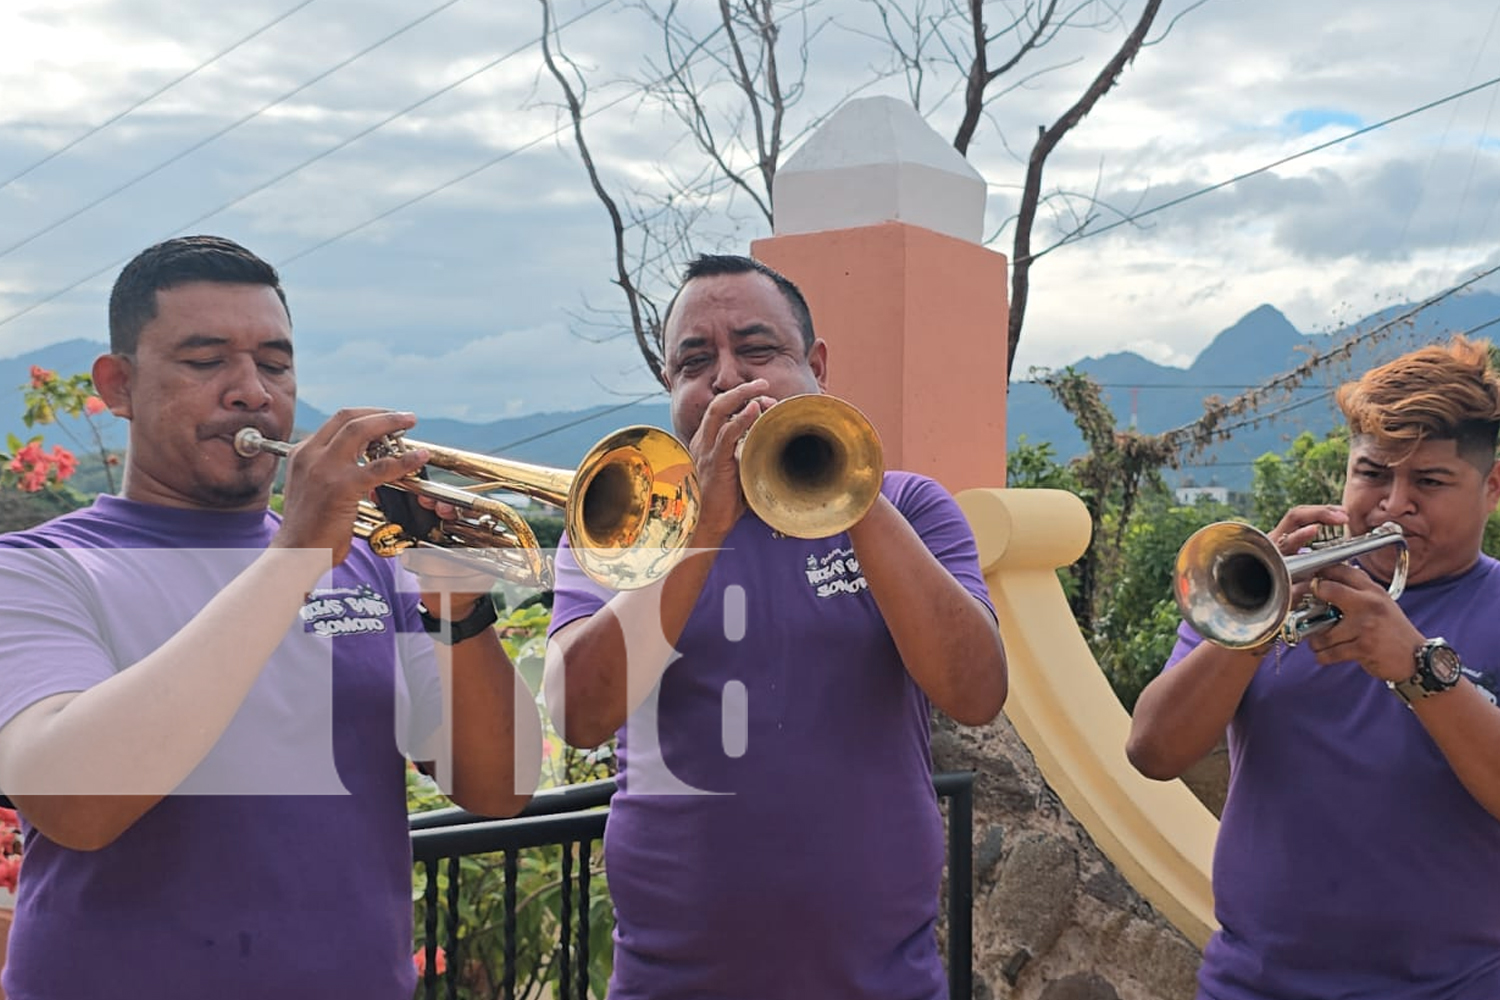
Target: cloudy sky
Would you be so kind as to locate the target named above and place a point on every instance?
(404, 162)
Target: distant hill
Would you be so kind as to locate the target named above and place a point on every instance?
(1258, 347)
(555, 439)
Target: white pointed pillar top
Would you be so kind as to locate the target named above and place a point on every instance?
(876, 160)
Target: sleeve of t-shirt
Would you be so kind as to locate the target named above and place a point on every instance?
(419, 669)
(574, 594)
(1187, 640)
(938, 521)
(51, 641)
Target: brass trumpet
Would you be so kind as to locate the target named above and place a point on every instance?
(811, 466)
(629, 507)
(1234, 586)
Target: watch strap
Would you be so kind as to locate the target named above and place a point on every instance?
(480, 617)
(1410, 690)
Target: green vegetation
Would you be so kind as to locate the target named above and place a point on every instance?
(480, 951)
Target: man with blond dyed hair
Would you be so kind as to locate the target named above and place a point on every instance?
(1359, 848)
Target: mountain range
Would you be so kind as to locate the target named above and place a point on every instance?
(1149, 396)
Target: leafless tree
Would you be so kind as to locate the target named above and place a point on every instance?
(733, 84)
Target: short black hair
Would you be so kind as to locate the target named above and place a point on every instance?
(711, 264)
(178, 261)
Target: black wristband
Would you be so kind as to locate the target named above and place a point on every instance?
(479, 618)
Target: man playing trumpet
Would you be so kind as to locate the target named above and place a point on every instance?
(776, 833)
(1360, 838)
(206, 707)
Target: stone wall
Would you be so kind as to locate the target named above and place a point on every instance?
(1053, 919)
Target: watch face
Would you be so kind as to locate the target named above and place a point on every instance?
(1445, 664)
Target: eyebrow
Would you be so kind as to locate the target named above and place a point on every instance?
(738, 333)
(201, 340)
(1428, 470)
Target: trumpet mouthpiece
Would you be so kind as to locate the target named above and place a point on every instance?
(249, 442)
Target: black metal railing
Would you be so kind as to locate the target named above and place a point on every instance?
(572, 818)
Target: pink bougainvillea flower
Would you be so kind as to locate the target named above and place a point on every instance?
(65, 461)
(30, 455)
(10, 874)
(94, 406)
(41, 376)
(420, 960)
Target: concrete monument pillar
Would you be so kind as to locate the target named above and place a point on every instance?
(877, 219)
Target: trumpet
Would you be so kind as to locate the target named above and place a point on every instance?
(629, 507)
(1234, 586)
(811, 466)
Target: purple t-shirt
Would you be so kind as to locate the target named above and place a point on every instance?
(814, 869)
(1350, 861)
(251, 894)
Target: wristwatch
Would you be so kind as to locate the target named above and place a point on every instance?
(481, 617)
(1438, 669)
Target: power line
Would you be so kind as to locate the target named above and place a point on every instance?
(1168, 385)
(1171, 203)
(58, 223)
(362, 133)
(58, 293)
(154, 94)
(1258, 418)
(574, 423)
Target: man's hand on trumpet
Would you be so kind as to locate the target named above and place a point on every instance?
(1300, 525)
(452, 580)
(328, 474)
(715, 451)
(1372, 632)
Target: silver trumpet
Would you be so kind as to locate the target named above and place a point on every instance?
(1234, 586)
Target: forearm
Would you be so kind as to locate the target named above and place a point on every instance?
(84, 767)
(1183, 713)
(947, 639)
(1465, 725)
(496, 741)
(601, 668)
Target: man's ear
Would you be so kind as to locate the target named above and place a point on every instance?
(111, 375)
(817, 360)
(1492, 487)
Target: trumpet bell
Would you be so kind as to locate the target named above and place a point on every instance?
(631, 507)
(811, 466)
(1231, 585)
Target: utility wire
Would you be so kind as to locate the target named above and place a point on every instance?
(1171, 203)
(224, 131)
(154, 94)
(1260, 417)
(574, 423)
(351, 140)
(52, 296)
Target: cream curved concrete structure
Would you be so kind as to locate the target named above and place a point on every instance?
(1157, 834)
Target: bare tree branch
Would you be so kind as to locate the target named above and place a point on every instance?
(1047, 140)
(647, 338)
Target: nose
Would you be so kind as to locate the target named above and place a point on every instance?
(247, 388)
(728, 374)
(1399, 499)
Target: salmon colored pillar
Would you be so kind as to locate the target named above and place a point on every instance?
(877, 220)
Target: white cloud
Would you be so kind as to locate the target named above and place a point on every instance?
(490, 249)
